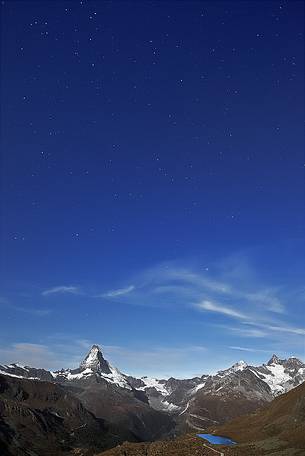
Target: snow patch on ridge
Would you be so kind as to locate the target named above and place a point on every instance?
(170, 407)
(198, 387)
(116, 377)
(18, 376)
(153, 383)
(277, 379)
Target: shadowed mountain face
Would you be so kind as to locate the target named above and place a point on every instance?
(105, 392)
(123, 407)
(41, 418)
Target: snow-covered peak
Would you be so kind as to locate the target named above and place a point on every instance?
(240, 365)
(94, 364)
(95, 361)
(276, 377)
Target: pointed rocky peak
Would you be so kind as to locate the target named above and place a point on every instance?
(294, 363)
(95, 361)
(240, 365)
(274, 360)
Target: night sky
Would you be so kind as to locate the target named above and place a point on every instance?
(152, 183)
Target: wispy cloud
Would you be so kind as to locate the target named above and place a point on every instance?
(169, 283)
(61, 289)
(228, 290)
(244, 331)
(247, 349)
(266, 297)
(281, 328)
(118, 292)
(215, 307)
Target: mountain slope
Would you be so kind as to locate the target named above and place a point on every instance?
(43, 418)
(107, 393)
(187, 445)
(283, 419)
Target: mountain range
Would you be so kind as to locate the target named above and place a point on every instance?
(129, 408)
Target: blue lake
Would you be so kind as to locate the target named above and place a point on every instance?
(217, 440)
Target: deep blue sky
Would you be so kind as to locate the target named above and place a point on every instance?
(152, 183)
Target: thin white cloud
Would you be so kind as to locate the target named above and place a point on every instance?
(118, 292)
(185, 275)
(214, 290)
(266, 297)
(247, 349)
(61, 289)
(244, 332)
(196, 285)
(279, 328)
(217, 308)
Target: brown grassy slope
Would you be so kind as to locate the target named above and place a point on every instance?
(183, 446)
(283, 418)
(187, 445)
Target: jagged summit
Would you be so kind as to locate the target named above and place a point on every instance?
(294, 362)
(273, 360)
(290, 363)
(95, 361)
